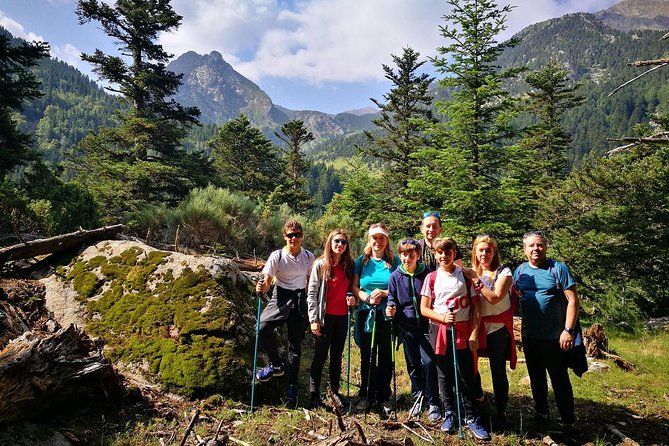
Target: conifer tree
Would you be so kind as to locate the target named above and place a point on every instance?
(140, 160)
(17, 84)
(405, 114)
(464, 174)
(550, 96)
(245, 160)
(294, 193)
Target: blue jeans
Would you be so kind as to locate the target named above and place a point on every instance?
(419, 357)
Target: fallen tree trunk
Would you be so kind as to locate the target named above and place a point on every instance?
(43, 372)
(58, 243)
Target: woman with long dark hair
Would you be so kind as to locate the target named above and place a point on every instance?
(331, 278)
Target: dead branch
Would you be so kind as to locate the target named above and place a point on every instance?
(335, 405)
(624, 438)
(646, 63)
(360, 432)
(192, 422)
(636, 78)
(428, 439)
(58, 243)
(548, 441)
(234, 440)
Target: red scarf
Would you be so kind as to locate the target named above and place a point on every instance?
(506, 318)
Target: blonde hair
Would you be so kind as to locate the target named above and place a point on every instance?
(476, 264)
(328, 257)
(388, 254)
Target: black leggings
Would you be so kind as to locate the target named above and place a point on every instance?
(332, 339)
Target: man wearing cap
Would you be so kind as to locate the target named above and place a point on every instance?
(431, 229)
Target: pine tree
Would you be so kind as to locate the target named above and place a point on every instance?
(464, 175)
(141, 160)
(17, 84)
(245, 160)
(295, 194)
(549, 98)
(405, 115)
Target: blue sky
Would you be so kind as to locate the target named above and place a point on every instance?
(321, 55)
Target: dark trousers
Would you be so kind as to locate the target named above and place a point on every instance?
(542, 356)
(498, 346)
(379, 375)
(297, 324)
(332, 339)
(421, 367)
(446, 378)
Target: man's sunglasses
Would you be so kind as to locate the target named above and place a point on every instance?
(294, 235)
(431, 214)
(340, 241)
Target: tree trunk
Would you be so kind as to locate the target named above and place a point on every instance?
(58, 243)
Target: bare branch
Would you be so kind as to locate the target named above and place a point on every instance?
(634, 79)
(645, 63)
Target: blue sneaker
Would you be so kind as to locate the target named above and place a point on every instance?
(474, 425)
(449, 422)
(267, 373)
(433, 412)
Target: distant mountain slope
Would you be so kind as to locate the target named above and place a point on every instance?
(72, 106)
(629, 15)
(221, 93)
(597, 57)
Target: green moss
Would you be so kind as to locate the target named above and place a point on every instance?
(161, 320)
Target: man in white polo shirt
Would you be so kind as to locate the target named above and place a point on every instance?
(288, 268)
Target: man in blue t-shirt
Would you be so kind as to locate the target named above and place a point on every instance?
(549, 305)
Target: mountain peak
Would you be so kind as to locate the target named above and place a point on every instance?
(629, 15)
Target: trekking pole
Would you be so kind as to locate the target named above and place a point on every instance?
(371, 357)
(455, 373)
(348, 355)
(255, 349)
(392, 347)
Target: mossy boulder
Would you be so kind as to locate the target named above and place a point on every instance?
(187, 322)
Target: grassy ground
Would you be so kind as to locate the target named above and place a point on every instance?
(636, 403)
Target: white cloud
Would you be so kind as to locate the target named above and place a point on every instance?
(70, 54)
(320, 41)
(17, 30)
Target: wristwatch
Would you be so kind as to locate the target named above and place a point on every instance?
(571, 331)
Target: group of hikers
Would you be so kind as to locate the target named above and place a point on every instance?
(445, 316)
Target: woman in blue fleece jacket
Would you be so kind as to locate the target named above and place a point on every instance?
(404, 297)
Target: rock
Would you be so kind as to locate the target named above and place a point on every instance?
(598, 367)
(660, 323)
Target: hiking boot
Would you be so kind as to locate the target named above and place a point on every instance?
(449, 422)
(433, 413)
(269, 372)
(361, 407)
(568, 429)
(315, 401)
(291, 396)
(387, 409)
(416, 409)
(474, 425)
(540, 417)
(340, 401)
(499, 423)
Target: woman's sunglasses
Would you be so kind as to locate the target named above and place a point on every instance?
(340, 241)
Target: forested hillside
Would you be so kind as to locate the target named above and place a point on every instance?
(596, 56)
(72, 106)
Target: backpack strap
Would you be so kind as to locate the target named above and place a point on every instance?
(553, 271)
(431, 279)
